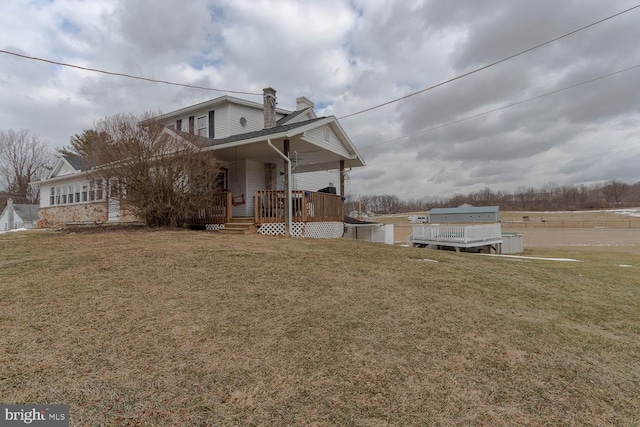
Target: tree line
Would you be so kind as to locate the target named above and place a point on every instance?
(611, 194)
(24, 158)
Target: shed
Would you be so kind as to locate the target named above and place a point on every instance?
(465, 214)
(18, 216)
(368, 231)
(512, 243)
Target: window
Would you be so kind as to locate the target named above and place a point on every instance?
(72, 189)
(179, 124)
(58, 195)
(85, 188)
(52, 197)
(191, 124)
(212, 132)
(99, 192)
(202, 126)
(63, 199)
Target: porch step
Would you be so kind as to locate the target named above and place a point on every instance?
(238, 228)
(241, 220)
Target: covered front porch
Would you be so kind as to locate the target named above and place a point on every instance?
(281, 177)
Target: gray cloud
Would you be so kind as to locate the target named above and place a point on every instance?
(348, 56)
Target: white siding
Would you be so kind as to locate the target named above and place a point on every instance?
(254, 117)
(45, 192)
(314, 181)
(227, 120)
(221, 119)
(255, 181)
(318, 137)
(238, 184)
(64, 169)
(4, 220)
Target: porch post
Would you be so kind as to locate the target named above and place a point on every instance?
(342, 186)
(287, 189)
(287, 161)
(342, 178)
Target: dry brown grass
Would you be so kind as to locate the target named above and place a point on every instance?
(192, 328)
(567, 219)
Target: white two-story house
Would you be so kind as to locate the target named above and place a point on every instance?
(260, 147)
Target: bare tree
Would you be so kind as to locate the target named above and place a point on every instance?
(614, 190)
(159, 176)
(24, 158)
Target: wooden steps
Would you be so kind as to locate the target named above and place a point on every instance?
(239, 226)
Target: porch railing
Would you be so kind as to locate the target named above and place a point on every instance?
(308, 206)
(218, 210)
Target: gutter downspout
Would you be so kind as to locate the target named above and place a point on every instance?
(289, 218)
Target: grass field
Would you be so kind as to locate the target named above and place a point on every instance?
(610, 218)
(180, 328)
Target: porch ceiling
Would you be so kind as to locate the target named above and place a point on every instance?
(306, 157)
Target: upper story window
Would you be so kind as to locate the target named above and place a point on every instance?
(179, 124)
(191, 124)
(201, 126)
(212, 131)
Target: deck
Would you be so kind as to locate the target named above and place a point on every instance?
(457, 236)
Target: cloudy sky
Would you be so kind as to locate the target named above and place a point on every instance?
(347, 56)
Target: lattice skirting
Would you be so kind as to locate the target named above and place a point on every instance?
(213, 227)
(314, 230)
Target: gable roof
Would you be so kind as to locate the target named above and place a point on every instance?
(202, 141)
(214, 103)
(291, 116)
(28, 212)
(261, 133)
(292, 130)
(78, 163)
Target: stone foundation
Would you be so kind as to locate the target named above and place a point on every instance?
(88, 213)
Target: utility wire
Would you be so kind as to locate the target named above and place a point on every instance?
(487, 66)
(111, 73)
(364, 148)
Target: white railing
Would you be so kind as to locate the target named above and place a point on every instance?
(457, 233)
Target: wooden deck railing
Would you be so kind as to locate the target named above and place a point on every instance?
(457, 233)
(218, 210)
(308, 206)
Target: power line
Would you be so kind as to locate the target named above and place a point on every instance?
(111, 73)
(364, 148)
(487, 66)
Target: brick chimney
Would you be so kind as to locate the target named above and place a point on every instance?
(269, 107)
(303, 102)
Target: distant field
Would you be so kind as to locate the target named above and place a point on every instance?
(621, 218)
(524, 221)
(173, 328)
(583, 219)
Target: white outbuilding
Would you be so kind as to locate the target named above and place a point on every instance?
(16, 216)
